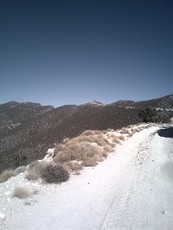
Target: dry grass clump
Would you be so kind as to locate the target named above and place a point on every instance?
(121, 137)
(85, 150)
(6, 174)
(130, 126)
(117, 139)
(88, 132)
(83, 138)
(107, 149)
(100, 140)
(74, 150)
(134, 130)
(90, 162)
(108, 131)
(137, 130)
(72, 166)
(97, 132)
(66, 140)
(21, 193)
(130, 135)
(124, 131)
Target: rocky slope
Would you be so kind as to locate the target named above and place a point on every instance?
(27, 130)
(165, 102)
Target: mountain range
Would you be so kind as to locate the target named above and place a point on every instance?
(27, 130)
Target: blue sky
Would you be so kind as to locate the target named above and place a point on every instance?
(71, 52)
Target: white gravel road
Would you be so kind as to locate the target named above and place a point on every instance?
(131, 189)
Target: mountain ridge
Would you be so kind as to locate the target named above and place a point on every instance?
(27, 130)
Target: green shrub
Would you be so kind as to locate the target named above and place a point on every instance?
(54, 174)
(148, 114)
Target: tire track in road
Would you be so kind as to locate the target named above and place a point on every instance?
(135, 204)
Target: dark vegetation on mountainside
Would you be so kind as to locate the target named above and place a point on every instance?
(27, 130)
(149, 114)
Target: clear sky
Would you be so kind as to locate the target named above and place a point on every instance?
(73, 51)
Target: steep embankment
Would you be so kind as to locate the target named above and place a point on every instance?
(25, 140)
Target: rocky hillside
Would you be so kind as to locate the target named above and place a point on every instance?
(27, 130)
(165, 102)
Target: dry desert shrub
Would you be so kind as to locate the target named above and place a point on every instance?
(19, 170)
(72, 166)
(34, 170)
(83, 138)
(59, 148)
(97, 132)
(108, 130)
(76, 151)
(88, 133)
(91, 162)
(66, 140)
(21, 193)
(85, 150)
(132, 126)
(6, 174)
(137, 130)
(104, 154)
(54, 174)
(65, 155)
(107, 149)
(130, 134)
(124, 131)
(134, 130)
(81, 149)
(116, 139)
(100, 140)
(121, 137)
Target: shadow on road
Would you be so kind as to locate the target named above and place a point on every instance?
(168, 132)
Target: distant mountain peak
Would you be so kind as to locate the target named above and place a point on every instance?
(94, 103)
(124, 103)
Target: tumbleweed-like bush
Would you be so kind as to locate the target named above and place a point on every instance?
(54, 174)
(35, 169)
(87, 149)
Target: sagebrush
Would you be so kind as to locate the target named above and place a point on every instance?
(54, 174)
